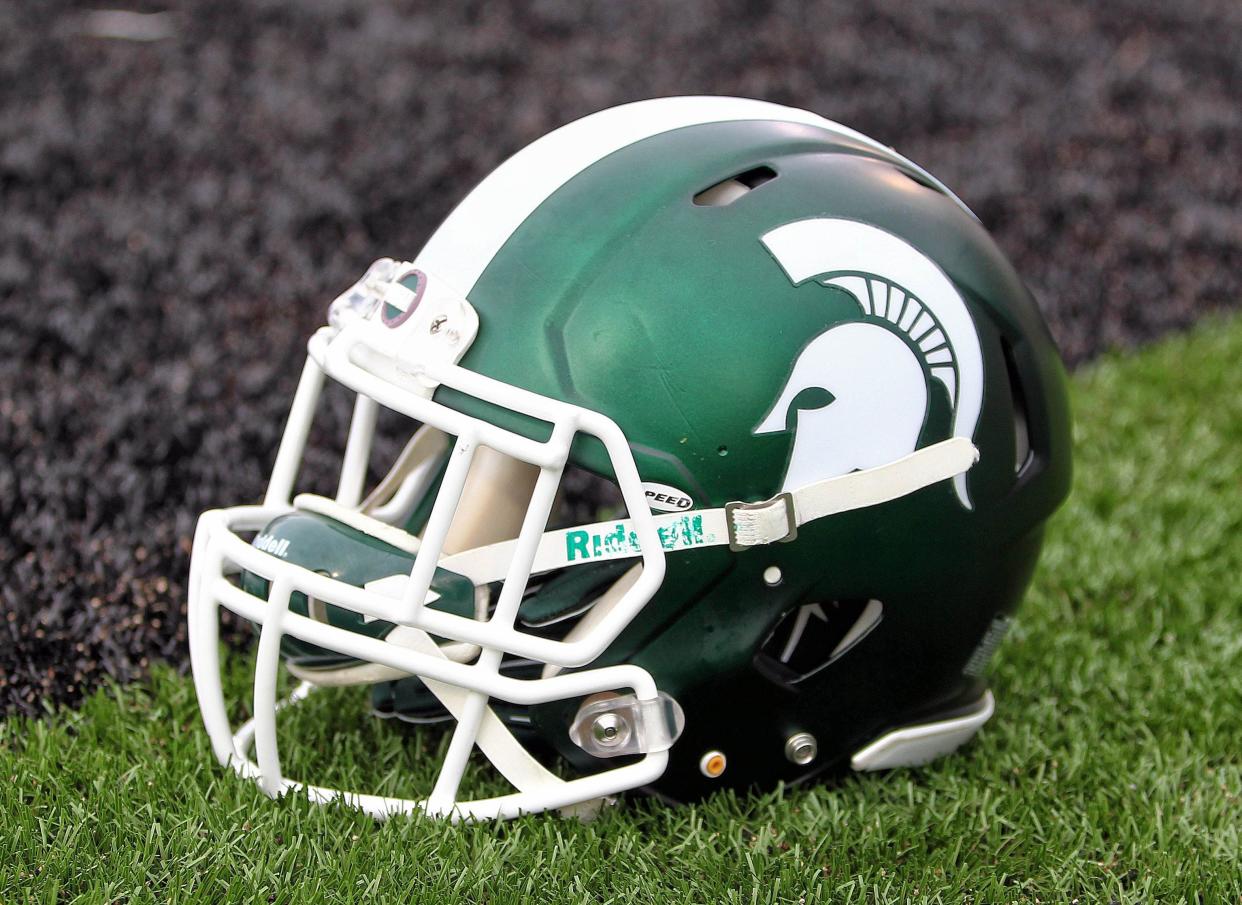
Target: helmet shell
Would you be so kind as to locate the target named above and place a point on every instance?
(621, 294)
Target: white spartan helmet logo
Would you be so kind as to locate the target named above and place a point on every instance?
(874, 381)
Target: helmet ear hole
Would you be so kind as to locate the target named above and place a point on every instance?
(811, 636)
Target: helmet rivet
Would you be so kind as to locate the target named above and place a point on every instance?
(801, 748)
(772, 576)
(609, 729)
(712, 764)
(437, 322)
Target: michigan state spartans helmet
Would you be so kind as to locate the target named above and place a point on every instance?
(729, 442)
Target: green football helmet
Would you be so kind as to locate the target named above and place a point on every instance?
(735, 440)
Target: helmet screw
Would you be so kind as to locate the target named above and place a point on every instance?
(801, 748)
(712, 764)
(609, 730)
(437, 322)
(772, 576)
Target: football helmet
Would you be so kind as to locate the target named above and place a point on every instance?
(733, 438)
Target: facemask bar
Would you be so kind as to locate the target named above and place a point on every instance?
(456, 684)
(339, 359)
(398, 493)
(463, 688)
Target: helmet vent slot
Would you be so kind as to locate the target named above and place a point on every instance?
(729, 190)
(1021, 423)
(812, 635)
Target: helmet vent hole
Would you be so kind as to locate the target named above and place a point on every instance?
(811, 635)
(1021, 425)
(729, 190)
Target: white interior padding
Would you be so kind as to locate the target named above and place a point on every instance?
(493, 502)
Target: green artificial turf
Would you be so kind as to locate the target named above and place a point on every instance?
(1111, 771)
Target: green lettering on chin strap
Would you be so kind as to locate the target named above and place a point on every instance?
(576, 546)
(680, 533)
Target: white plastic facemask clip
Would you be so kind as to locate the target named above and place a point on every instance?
(376, 287)
(610, 725)
(402, 324)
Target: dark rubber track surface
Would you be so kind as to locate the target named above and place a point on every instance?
(175, 215)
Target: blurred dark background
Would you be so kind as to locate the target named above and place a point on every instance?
(181, 194)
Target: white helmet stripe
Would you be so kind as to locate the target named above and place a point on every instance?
(478, 228)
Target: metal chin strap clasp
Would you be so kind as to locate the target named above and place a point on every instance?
(754, 524)
(612, 725)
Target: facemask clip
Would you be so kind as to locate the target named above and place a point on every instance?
(378, 286)
(612, 725)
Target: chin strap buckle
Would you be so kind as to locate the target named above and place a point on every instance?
(755, 524)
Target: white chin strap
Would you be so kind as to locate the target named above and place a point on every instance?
(739, 525)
